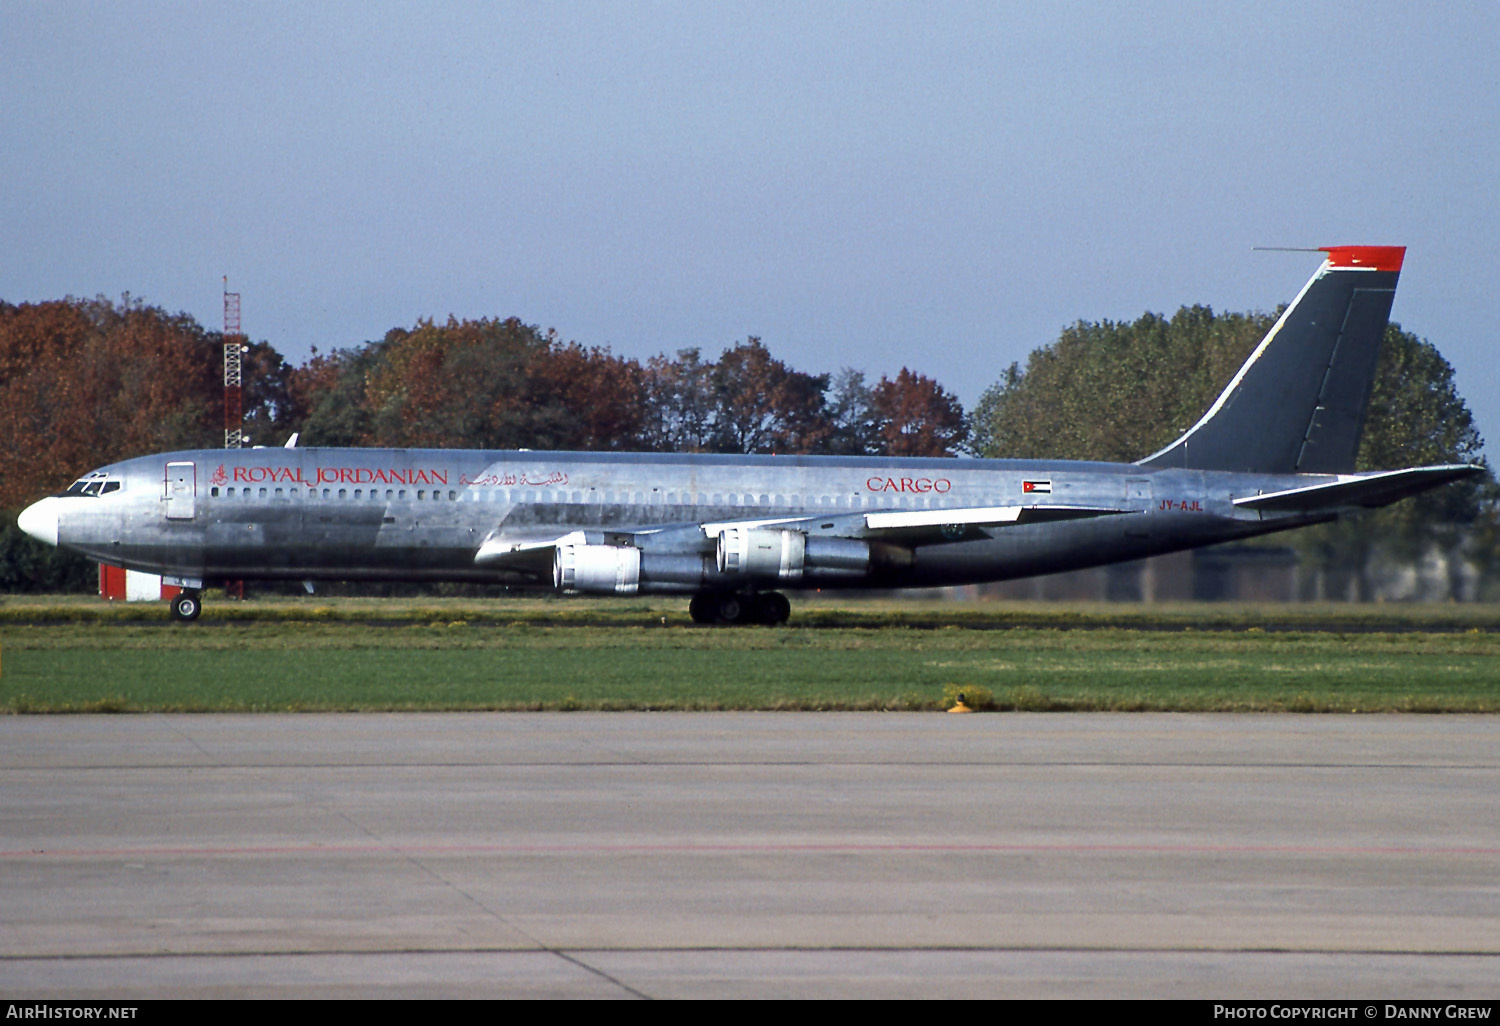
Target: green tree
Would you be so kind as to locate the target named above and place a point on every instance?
(1416, 417)
(1120, 392)
(1114, 391)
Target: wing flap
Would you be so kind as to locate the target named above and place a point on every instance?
(934, 526)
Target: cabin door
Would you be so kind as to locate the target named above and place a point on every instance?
(181, 491)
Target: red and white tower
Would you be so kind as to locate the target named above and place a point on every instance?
(234, 348)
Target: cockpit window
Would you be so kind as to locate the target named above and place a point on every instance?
(94, 485)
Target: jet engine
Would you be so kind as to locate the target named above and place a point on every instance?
(761, 554)
(767, 554)
(625, 570)
(611, 569)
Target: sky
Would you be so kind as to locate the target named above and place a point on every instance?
(936, 185)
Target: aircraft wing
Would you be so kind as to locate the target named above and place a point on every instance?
(533, 552)
(1369, 490)
(936, 526)
(921, 526)
(523, 554)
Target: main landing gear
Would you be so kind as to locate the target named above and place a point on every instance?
(186, 606)
(732, 607)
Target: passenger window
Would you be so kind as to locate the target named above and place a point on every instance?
(452, 496)
(358, 493)
(343, 493)
(262, 493)
(421, 494)
(214, 492)
(278, 493)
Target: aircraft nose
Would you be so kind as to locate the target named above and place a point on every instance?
(40, 520)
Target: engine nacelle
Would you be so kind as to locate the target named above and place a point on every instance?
(607, 569)
(830, 557)
(790, 557)
(626, 570)
(761, 554)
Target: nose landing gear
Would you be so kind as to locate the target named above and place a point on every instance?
(186, 606)
(767, 607)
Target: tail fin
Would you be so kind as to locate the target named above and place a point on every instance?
(1297, 406)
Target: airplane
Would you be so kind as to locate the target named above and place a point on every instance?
(1275, 451)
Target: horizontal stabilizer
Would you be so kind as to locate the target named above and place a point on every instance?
(1370, 490)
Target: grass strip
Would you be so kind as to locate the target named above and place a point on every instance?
(455, 664)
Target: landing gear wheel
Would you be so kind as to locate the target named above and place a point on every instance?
(772, 608)
(731, 609)
(768, 607)
(186, 606)
(702, 609)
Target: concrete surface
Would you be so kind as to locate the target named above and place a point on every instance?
(778, 854)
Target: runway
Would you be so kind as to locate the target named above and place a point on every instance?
(734, 854)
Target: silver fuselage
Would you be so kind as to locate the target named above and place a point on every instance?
(423, 514)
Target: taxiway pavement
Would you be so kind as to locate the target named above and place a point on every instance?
(774, 854)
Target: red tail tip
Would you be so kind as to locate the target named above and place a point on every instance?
(1375, 258)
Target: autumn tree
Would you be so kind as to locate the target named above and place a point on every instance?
(915, 416)
(87, 382)
(762, 405)
(746, 401)
(680, 403)
(326, 396)
(487, 384)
